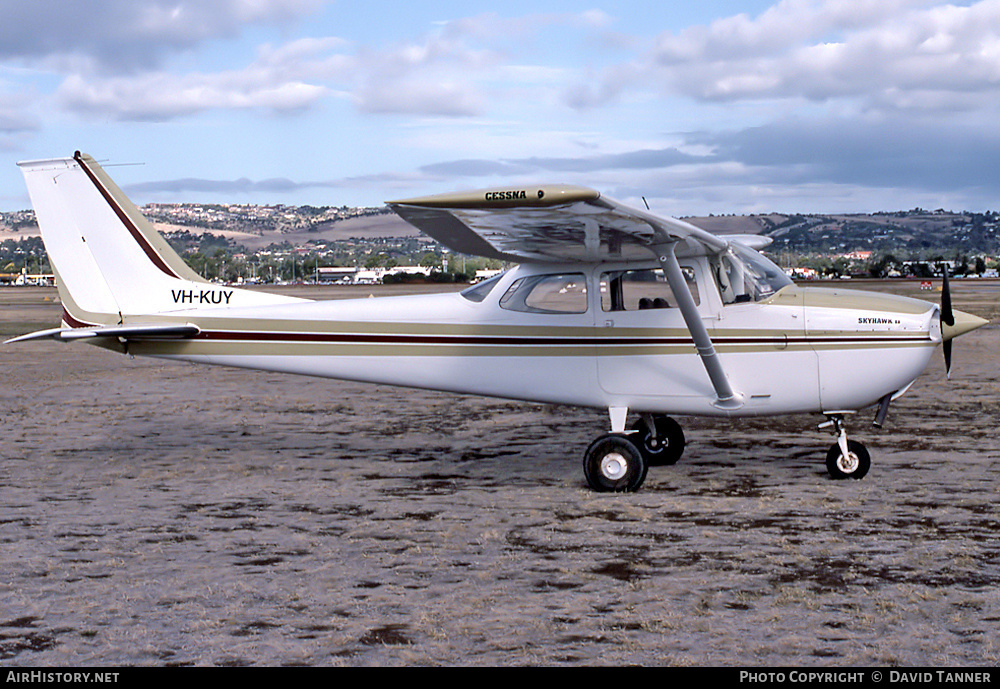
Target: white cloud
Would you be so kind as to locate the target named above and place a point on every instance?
(469, 65)
(436, 76)
(439, 74)
(409, 96)
(126, 35)
(893, 54)
(879, 53)
(120, 59)
(784, 25)
(163, 96)
(283, 79)
(453, 71)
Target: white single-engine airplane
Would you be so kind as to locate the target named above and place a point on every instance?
(609, 307)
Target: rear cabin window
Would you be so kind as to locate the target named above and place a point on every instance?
(638, 290)
(479, 290)
(547, 294)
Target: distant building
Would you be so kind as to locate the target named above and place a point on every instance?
(486, 274)
(366, 276)
(345, 275)
(802, 273)
(29, 279)
(409, 270)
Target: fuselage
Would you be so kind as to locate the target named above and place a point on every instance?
(574, 335)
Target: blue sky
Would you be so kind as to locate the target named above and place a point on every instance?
(708, 107)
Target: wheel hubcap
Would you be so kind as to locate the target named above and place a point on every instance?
(848, 464)
(614, 466)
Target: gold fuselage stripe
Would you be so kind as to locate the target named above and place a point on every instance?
(548, 342)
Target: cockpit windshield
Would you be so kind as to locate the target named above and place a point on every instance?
(743, 275)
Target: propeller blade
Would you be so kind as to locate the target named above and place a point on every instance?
(947, 315)
(947, 318)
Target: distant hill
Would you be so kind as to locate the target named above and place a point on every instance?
(365, 227)
(904, 232)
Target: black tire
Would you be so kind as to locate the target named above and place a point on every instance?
(669, 444)
(613, 463)
(856, 466)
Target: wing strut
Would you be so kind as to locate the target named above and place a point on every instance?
(727, 397)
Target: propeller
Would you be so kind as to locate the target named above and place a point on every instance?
(953, 323)
(947, 318)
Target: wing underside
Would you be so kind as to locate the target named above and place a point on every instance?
(557, 224)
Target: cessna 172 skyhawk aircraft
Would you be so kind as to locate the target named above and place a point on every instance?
(609, 307)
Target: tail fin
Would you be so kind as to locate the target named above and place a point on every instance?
(110, 262)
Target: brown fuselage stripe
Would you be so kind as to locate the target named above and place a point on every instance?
(75, 322)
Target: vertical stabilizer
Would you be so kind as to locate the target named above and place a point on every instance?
(110, 262)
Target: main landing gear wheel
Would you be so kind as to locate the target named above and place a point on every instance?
(855, 465)
(668, 444)
(613, 463)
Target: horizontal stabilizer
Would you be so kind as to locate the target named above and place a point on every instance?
(125, 332)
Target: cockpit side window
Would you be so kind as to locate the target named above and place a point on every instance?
(565, 293)
(638, 290)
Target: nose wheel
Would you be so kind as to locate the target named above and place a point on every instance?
(855, 464)
(847, 458)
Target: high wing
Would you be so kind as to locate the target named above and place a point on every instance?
(550, 224)
(568, 224)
